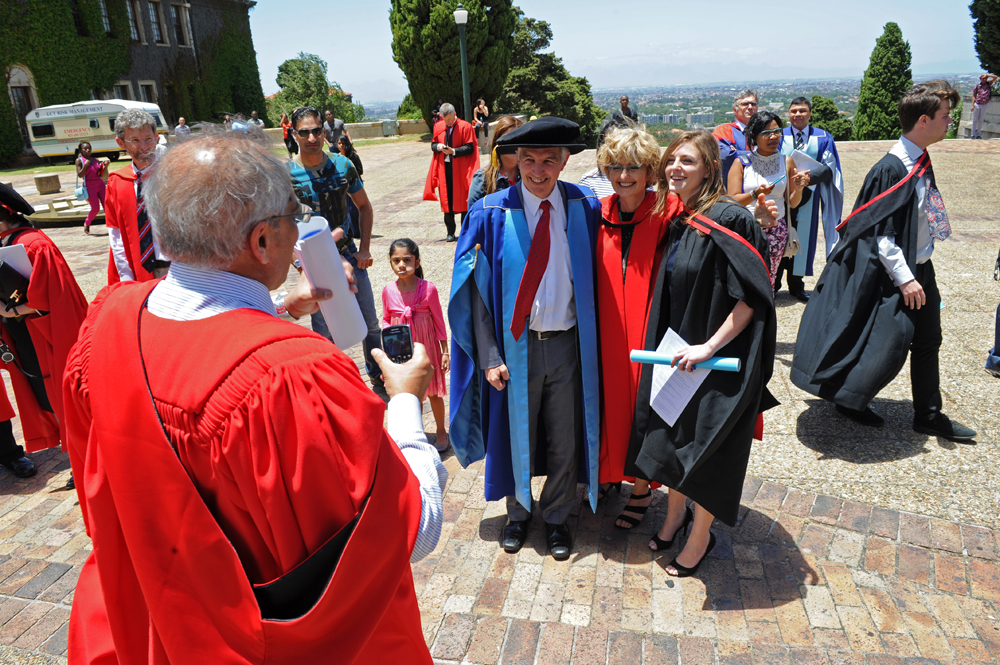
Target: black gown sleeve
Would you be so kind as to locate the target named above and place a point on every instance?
(463, 150)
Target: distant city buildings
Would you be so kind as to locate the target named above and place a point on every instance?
(701, 118)
(668, 119)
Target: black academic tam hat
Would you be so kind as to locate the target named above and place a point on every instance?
(545, 132)
(14, 201)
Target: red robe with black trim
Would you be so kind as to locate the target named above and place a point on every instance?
(623, 308)
(276, 452)
(462, 168)
(120, 213)
(51, 289)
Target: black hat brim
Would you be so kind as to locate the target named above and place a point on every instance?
(508, 149)
(10, 198)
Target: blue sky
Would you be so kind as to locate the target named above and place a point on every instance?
(620, 44)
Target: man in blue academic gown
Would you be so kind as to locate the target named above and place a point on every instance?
(823, 197)
(731, 135)
(524, 375)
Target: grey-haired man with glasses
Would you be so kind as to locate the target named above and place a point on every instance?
(731, 137)
(135, 250)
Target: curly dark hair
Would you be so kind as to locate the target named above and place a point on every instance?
(758, 123)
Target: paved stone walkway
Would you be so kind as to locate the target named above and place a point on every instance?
(853, 546)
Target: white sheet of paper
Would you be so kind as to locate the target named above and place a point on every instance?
(804, 162)
(673, 389)
(17, 258)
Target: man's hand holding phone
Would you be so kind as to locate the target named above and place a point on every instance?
(413, 376)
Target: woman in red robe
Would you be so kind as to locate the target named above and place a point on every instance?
(455, 161)
(41, 331)
(629, 247)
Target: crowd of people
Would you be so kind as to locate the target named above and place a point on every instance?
(262, 449)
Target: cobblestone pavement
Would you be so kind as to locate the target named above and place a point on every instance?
(853, 545)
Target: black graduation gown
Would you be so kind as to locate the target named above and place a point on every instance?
(856, 329)
(705, 454)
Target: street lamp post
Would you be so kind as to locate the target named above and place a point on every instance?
(461, 18)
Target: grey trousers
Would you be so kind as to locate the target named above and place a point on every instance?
(555, 398)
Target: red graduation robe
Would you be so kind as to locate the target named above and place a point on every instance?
(52, 289)
(273, 426)
(462, 169)
(623, 308)
(120, 213)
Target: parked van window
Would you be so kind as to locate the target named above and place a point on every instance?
(43, 131)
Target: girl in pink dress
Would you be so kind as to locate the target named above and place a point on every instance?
(414, 301)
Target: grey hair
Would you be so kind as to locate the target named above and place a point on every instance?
(749, 92)
(445, 109)
(208, 193)
(133, 119)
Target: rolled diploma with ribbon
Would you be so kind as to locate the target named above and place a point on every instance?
(654, 358)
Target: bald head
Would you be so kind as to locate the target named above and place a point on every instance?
(208, 193)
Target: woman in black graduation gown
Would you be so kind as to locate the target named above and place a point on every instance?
(714, 290)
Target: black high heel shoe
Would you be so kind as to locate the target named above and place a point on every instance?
(667, 544)
(603, 492)
(684, 571)
(635, 510)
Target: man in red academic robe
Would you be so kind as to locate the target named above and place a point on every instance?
(134, 250)
(244, 503)
(39, 332)
(455, 161)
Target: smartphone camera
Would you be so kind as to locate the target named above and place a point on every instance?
(397, 343)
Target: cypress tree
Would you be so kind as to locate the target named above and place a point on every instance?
(886, 80)
(986, 14)
(425, 45)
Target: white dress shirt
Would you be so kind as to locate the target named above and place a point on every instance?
(554, 307)
(125, 273)
(889, 253)
(804, 133)
(188, 293)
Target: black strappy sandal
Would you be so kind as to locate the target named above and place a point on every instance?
(661, 544)
(638, 510)
(684, 571)
(603, 492)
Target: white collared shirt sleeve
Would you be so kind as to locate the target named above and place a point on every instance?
(118, 252)
(891, 256)
(406, 428)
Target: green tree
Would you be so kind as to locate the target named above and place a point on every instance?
(956, 119)
(425, 45)
(303, 82)
(886, 80)
(826, 116)
(539, 83)
(408, 109)
(986, 16)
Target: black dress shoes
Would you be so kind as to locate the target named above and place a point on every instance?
(450, 238)
(866, 417)
(938, 424)
(22, 467)
(514, 535)
(801, 296)
(560, 540)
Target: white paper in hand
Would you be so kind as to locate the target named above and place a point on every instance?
(804, 162)
(323, 268)
(672, 388)
(17, 258)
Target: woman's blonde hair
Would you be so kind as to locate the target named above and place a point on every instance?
(629, 145)
(713, 189)
(504, 125)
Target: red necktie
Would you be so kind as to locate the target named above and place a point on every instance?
(538, 260)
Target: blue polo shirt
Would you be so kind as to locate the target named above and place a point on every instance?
(325, 189)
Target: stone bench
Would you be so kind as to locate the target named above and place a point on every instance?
(47, 184)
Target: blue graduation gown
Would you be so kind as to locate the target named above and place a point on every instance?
(491, 255)
(826, 204)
